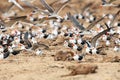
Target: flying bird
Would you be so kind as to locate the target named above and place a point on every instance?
(94, 39)
(51, 10)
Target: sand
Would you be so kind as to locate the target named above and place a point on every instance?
(43, 67)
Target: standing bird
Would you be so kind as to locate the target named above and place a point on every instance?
(77, 57)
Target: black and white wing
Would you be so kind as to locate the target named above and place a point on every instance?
(49, 8)
(75, 22)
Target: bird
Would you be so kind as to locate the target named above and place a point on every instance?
(116, 49)
(39, 52)
(77, 57)
(49, 8)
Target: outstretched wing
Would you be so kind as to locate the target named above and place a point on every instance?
(44, 3)
(75, 22)
(94, 39)
(94, 23)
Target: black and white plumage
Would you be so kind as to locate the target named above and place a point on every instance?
(4, 55)
(78, 57)
(94, 39)
(104, 2)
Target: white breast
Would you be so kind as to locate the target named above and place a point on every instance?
(87, 50)
(1, 56)
(94, 50)
(116, 49)
(76, 57)
(1, 49)
(107, 43)
(75, 47)
(66, 44)
(79, 41)
(104, 37)
(39, 52)
(72, 41)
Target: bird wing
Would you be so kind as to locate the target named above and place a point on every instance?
(86, 7)
(29, 45)
(94, 39)
(114, 18)
(49, 8)
(26, 35)
(29, 4)
(17, 17)
(18, 5)
(104, 1)
(75, 22)
(62, 6)
(38, 45)
(111, 1)
(94, 23)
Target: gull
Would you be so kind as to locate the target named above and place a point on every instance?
(77, 57)
(16, 3)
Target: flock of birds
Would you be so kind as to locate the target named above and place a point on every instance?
(27, 31)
